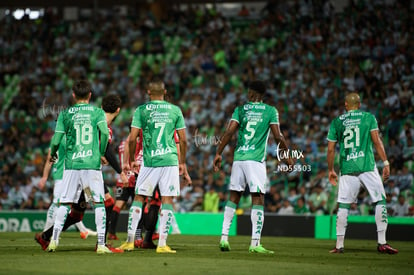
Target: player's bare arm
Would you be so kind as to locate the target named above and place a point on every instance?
(132, 144)
(125, 157)
(379, 147)
(225, 139)
(182, 159)
(46, 171)
(333, 177)
(280, 139)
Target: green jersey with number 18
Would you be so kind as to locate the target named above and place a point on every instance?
(80, 124)
(352, 131)
(158, 120)
(254, 120)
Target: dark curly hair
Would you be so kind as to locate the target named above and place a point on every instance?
(111, 103)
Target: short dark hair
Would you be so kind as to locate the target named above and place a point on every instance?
(111, 103)
(81, 89)
(258, 86)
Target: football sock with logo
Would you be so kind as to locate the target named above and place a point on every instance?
(50, 216)
(381, 219)
(229, 211)
(135, 214)
(138, 232)
(257, 218)
(341, 224)
(61, 215)
(165, 223)
(114, 219)
(151, 222)
(100, 221)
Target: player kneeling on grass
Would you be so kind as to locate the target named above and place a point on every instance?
(254, 120)
(356, 131)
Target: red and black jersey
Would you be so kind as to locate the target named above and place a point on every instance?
(138, 159)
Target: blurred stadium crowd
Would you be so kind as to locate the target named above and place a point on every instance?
(308, 54)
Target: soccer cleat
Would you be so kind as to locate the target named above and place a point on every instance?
(386, 248)
(127, 246)
(260, 249)
(224, 246)
(84, 235)
(103, 249)
(138, 243)
(165, 249)
(337, 250)
(112, 237)
(155, 236)
(52, 246)
(114, 249)
(43, 243)
(148, 245)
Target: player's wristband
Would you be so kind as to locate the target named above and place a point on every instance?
(386, 163)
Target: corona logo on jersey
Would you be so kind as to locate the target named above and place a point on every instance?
(150, 107)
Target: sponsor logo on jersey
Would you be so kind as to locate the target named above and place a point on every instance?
(160, 152)
(253, 106)
(150, 107)
(355, 155)
(82, 154)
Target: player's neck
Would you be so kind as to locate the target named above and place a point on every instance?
(82, 101)
(156, 97)
(109, 117)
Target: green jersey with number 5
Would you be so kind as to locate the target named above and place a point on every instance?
(353, 133)
(82, 124)
(254, 119)
(158, 120)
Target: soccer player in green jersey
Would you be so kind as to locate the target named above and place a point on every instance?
(254, 120)
(87, 134)
(356, 131)
(158, 120)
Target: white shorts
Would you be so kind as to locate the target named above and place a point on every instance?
(74, 181)
(57, 190)
(167, 178)
(248, 172)
(349, 186)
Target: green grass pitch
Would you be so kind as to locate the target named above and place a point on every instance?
(20, 254)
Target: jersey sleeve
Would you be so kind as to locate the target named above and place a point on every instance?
(373, 125)
(332, 134)
(274, 117)
(235, 115)
(136, 119)
(180, 121)
(60, 127)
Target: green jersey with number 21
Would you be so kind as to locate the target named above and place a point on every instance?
(80, 123)
(158, 120)
(254, 120)
(353, 133)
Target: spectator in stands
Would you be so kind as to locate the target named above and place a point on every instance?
(286, 208)
(401, 207)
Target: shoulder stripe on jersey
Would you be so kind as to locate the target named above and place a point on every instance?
(135, 127)
(60, 132)
(101, 121)
(235, 120)
(333, 140)
(277, 123)
(374, 129)
(180, 128)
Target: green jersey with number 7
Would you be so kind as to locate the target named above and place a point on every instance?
(254, 120)
(159, 119)
(353, 133)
